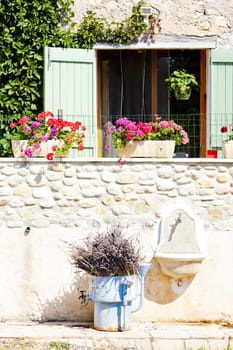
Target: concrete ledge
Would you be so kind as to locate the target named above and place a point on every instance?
(146, 336)
(116, 160)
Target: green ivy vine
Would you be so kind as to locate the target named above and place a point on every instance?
(95, 29)
(26, 27)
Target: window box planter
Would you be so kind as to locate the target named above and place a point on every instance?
(227, 149)
(19, 146)
(147, 149)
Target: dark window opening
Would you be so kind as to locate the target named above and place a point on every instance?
(133, 85)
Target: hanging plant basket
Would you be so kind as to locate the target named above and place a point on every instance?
(183, 96)
(181, 83)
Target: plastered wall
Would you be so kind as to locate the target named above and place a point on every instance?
(177, 17)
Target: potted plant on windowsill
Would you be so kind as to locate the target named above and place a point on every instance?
(227, 145)
(113, 264)
(181, 83)
(139, 139)
(45, 135)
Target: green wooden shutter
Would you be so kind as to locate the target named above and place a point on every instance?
(221, 94)
(70, 86)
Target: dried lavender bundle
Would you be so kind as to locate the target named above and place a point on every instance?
(108, 254)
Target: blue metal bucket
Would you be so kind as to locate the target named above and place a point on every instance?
(112, 317)
(112, 298)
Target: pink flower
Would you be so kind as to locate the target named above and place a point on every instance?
(146, 129)
(129, 135)
(126, 130)
(121, 162)
(28, 152)
(172, 124)
(123, 121)
(26, 128)
(22, 120)
(36, 146)
(107, 147)
(139, 133)
(35, 124)
(128, 124)
(164, 124)
(107, 133)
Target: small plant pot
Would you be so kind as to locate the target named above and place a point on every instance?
(183, 96)
(227, 149)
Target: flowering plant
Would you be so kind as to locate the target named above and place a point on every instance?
(229, 130)
(45, 127)
(126, 130)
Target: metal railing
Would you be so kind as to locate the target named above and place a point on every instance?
(210, 124)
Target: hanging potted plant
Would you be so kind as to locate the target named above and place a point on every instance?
(139, 139)
(181, 83)
(116, 277)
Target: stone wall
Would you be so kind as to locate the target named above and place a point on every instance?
(179, 17)
(67, 200)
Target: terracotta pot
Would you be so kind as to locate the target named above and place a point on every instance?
(147, 149)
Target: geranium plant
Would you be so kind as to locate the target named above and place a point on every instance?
(228, 130)
(45, 127)
(126, 130)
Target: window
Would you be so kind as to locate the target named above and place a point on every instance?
(133, 85)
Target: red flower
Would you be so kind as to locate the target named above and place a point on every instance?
(80, 147)
(12, 125)
(50, 156)
(23, 120)
(54, 148)
(43, 115)
(121, 161)
(224, 129)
